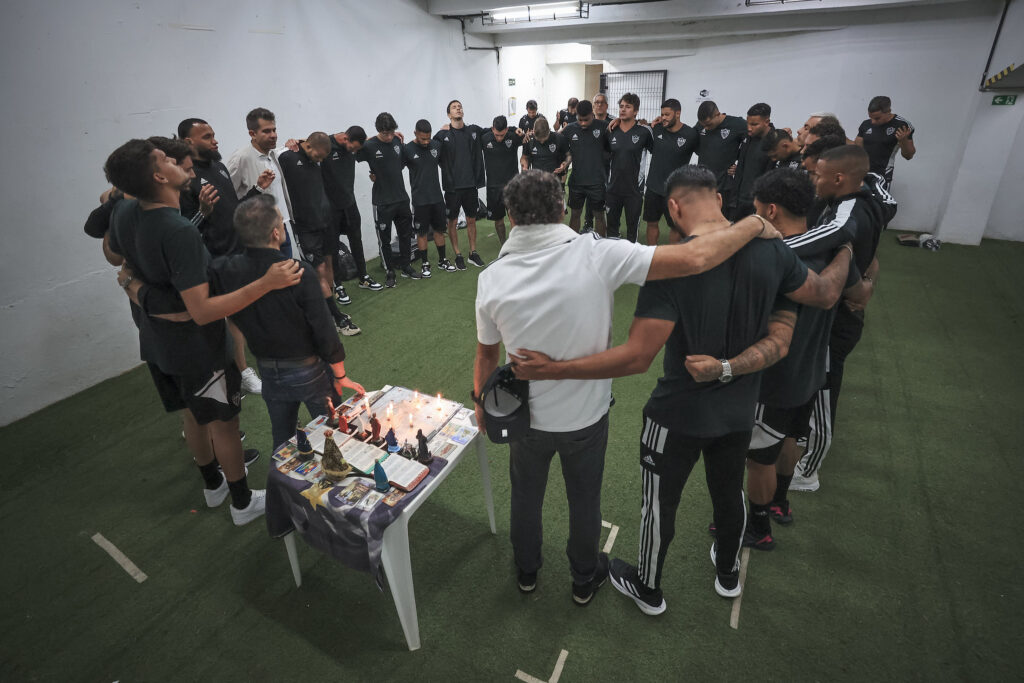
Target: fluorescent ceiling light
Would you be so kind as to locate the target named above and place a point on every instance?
(549, 11)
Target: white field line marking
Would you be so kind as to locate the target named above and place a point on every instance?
(734, 618)
(120, 558)
(611, 535)
(555, 675)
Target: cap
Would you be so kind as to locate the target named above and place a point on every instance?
(506, 404)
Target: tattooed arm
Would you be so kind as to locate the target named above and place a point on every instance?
(824, 290)
(765, 352)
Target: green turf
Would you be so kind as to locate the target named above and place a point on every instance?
(902, 567)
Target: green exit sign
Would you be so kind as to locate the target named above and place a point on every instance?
(511, 81)
(1004, 99)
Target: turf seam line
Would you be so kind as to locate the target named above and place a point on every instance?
(120, 558)
(555, 675)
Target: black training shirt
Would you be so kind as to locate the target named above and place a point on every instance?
(547, 155)
(717, 149)
(526, 123)
(752, 162)
(423, 163)
(588, 147)
(881, 144)
(217, 229)
(793, 161)
(671, 150)
(339, 172)
(462, 164)
(305, 184)
(386, 160)
(718, 313)
(565, 117)
(627, 150)
(501, 159)
(860, 215)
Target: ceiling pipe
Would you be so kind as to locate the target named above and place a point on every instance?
(465, 46)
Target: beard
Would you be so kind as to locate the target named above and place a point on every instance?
(210, 155)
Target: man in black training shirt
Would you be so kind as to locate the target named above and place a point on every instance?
(385, 155)
(752, 162)
(527, 120)
(290, 331)
(704, 403)
(788, 388)
(462, 173)
(719, 144)
(674, 145)
(567, 115)
(187, 360)
(339, 171)
(627, 143)
(422, 156)
(544, 150)
(782, 149)
(309, 212)
(587, 139)
(501, 150)
(881, 133)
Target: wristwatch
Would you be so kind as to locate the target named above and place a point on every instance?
(726, 375)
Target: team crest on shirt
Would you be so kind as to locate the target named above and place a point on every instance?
(680, 142)
(433, 153)
(725, 133)
(398, 150)
(473, 135)
(508, 144)
(551, 148)
(225, 174)
(890, 130)
(635, 139)
(597, 132)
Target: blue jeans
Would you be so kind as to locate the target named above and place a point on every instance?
(285, 388)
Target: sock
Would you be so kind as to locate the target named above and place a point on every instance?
(421, 254)
(332, 306)
(240, 493)
(440, 253)
(782, 482)
(759, 520)
(211, 475)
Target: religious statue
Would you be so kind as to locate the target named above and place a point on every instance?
(302, 441)
(334, 465)
(424, 455)
(392, 440)
(374, 429)
(380, 477)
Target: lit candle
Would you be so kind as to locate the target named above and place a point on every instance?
(439, 402)
(366, 404)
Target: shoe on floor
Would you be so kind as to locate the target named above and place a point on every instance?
(425, 269)
(346, 327)
(343, 298)
(251, 382)
(625, 580)
(460, 263)
(256, 507)
(446, 265)
(727, 584)
(751, 539)
(214, 497)
(389, 281)
(783, 514)
(367, 282)
(475, 259)
(527, 581)
(583, 592)
(801, 483)
(408, 272)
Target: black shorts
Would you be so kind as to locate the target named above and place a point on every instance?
(210, 395)
(656, 206)
(429, 217)
(772, 425)
(495, 203)
(465, 199)
(315, 245)
(592, 193)
(386, 214)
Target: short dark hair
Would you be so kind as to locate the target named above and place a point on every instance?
(788, 187)
(175, 149)
(879, 103)
(356, 134)
(448, 110)
(573, 101)
(672, 104)
(584, 108)
(631, 98)
(823, 144)
(772, 139)
(320, 140)
(423, 126)
(852, 159)
(541, 128)
(254, 219)
(534, 197)
(760, 109)
(531, 104)
(385, 122)
(826, 127)
(691, 177)
(252, 119)
(130, 168)
(500, 122)
(706, 110)
(185, 127)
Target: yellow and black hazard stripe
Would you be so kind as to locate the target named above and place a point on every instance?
(999, 76)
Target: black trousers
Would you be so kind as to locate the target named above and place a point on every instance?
(667, 458)
(401, 216)
(615, 203)
(348, 222)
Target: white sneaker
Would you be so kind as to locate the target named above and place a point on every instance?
(256, 507)
(214, 497)
(251, 382)
(800, 483)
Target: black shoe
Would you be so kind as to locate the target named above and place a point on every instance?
(241, 435)
(460, 263)
(475, 259)
(781, 513)
(346, 327)
(727, 584)
(625, 580)
(425, 269)
(343, 298)
(752, 539)
(408, 272)
(249, 456)
(389, 281)
(583, 592)
(527, 581)
(446, 265)
(367, 282)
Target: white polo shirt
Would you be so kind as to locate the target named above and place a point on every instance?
(551, 290)
(245, 167)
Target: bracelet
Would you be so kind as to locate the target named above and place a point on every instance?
(338, 379)
(764, 223)
(128, 281)
(847, 246)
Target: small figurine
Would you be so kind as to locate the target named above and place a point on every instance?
(375, 429)
(339, 419)
(424, 455)
(334, 464)
(305, 448)
(380, 477)
(332, 418)
(407, 450)
(392, 440)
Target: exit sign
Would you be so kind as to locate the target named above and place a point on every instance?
(1004, 99)
(511, 81)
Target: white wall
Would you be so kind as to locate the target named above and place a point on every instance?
(81, 78)
(550, 74)
(930, 66)
(1006, 221)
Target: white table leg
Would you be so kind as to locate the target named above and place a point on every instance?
(485, 475)
(398, 566)
(293, 557)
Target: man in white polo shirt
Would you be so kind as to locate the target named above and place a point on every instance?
(551, 289)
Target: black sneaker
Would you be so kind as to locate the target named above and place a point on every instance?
(475, 259)
(727, 584)
(624, 578)
(460, 263)
(367, 282)
(446, 265)
(241, 435)
(342, 296)
(425, 270)
(527, 581)
(389, 281)
(408, 272)
(583, 592)
(346, 327)
(752, 539)
(249, 456)
(783, 514)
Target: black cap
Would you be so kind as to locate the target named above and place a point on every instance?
(506, 404)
